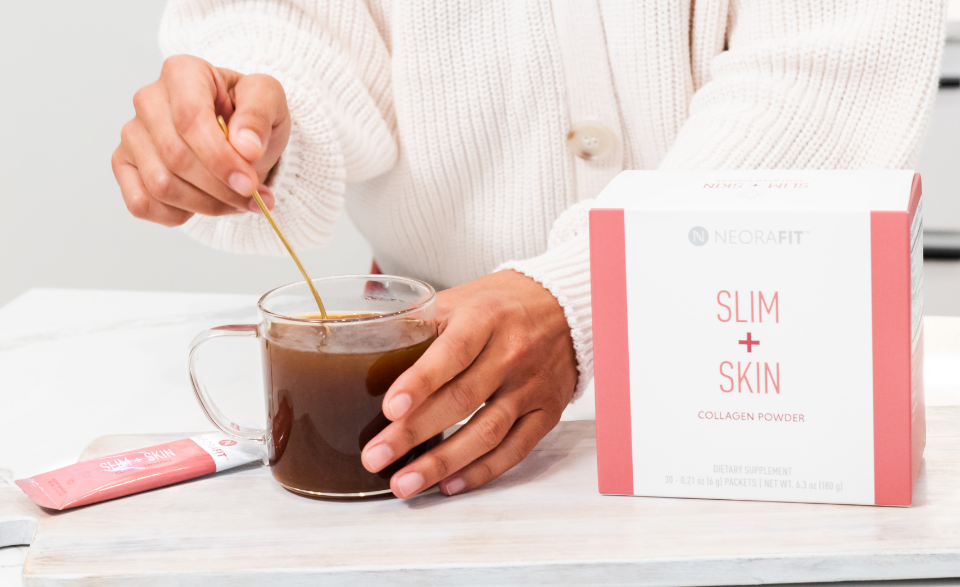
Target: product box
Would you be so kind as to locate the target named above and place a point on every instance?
(758, 335)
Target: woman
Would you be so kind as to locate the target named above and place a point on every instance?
(466, 138)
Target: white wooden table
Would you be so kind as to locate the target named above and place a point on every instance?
(543, 522)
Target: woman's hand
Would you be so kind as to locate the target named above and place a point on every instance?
(174, 161)
(505, 344)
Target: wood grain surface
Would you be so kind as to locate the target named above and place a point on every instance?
(18, 517)
(542, 523)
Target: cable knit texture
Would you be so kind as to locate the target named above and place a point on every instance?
(441, 124)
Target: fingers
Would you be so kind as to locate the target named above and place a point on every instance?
(482, 434)
(452, 403)
(504, 341)
(456, 349)
(137, 198)
(182, 157)
(260, 114)
(517, 444)
(194, 89)
(163, 185)
(155, 125)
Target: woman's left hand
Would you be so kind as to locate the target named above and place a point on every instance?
(504, 343)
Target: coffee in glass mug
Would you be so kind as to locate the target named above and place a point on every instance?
(324, 379)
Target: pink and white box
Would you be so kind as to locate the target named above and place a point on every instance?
(758, 335)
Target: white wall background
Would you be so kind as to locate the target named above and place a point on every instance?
(68, 72)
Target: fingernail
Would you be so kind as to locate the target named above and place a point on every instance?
(399, 405)
(409, 483)
(251, 137)
(455, 485)
(241, 184)
(252, 206)
(377, 457)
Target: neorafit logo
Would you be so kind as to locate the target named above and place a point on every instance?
(700, 236)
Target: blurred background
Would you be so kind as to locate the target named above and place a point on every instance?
(69, 72)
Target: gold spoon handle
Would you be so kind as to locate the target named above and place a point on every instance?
(263, 208)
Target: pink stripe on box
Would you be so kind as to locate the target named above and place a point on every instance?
(890, 276)
(611, 380)
(916, 188)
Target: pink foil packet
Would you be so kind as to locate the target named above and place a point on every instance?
(104, 478)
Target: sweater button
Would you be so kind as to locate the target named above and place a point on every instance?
(590, 140)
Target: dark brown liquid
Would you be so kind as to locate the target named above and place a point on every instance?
(324, 401)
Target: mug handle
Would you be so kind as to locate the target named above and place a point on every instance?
(228, 426)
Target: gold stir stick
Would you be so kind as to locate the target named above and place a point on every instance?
(263, 208)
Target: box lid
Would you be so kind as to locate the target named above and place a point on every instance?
(759, 191)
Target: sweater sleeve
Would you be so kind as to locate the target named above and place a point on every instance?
(335, 70)
(848, 85)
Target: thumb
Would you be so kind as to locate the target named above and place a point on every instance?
(260, 123)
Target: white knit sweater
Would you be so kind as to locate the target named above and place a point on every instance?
(441, 124)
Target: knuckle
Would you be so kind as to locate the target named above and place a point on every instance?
(273, 84)
(138, 206)
(184, 117)
(459, 347)
(268, 85)
(550, 390)
(462, 395)
(491, 429)
(514, 453)
(159, 184)
(178, 219)
(174, 154)
(485, 472)
(116, 160)
(554, 405)
(175, 62)
(408, 439)
(556, 401)
(127, 132)
(441, 464)
(520, 349)
(140, 98)
(553, 421)
(277, 93)
(421, 380)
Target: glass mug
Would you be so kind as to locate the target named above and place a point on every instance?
(324, 380)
